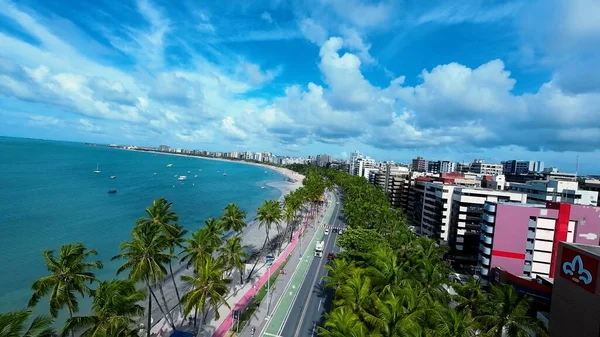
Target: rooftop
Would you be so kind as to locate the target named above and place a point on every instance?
(592, 249)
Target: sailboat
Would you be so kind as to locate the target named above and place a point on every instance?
(225, 173)
(97, 168)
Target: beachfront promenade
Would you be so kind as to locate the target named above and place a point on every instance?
(239, 297)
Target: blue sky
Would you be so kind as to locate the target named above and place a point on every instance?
(394, 79)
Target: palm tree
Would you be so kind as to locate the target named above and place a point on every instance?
(175, 240)
(68, 277)
(161, 215)
(114, 305)
(215, 230)
(234, 255)
(454, 323)
(145, 257)
(202, 243)
(397, 313)
(267, 214)
(208, 288)
(343, 323)
(338, 272)
(505, 314)
(233, 219)
(469, 295)
(13, 324)
(356, 294)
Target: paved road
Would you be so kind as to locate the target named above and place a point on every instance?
(304, 311)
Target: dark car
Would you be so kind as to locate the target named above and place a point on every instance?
(330, 256)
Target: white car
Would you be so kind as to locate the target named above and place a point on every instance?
(326, 232)
(341, 231)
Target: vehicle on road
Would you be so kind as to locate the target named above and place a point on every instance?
(341, 231)
(319, 248)
(330, 256)
(326, 231)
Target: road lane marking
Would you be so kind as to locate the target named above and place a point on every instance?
(270, 334)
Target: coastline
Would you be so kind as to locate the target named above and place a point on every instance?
(253, 235)
(294, 176)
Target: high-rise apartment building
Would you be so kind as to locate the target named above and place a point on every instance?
(480, 167)
(419, 164)
(434, 166)
(447, 166)
(522, 166)
(522, 238)
(323, 160)
(541, 191)
(465, 223)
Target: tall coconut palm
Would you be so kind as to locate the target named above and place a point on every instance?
(215, 231)
(342, 322)
(469, 295)
(145, 258)
(175, 241)
(161, 215)
(454, 323)
(338, 272)
(202, 243)
(397, 314)
(356, 294)
(233, 219)
(14, 324)
(505, 314)
(234, 254)
(267, 214)
(70, 275)
(115, 304)
(207, 289)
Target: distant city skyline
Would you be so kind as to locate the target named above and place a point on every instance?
(394, 79)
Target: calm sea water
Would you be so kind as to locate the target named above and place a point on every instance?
(50, 196)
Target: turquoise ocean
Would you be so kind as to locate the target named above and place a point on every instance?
(49, 196)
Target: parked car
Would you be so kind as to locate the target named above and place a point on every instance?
(326, 231)
(341, 231)
(330, 256)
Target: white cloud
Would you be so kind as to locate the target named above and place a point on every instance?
(266, 16)
(229, 128)
(313, 31)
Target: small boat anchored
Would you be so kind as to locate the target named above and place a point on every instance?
(169, 165)
(112, 191)
(113, 177)
(225, 173)
(182, 178)
(97, 170)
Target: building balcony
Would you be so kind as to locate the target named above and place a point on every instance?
(459, 247)
(529, 245)
(484, 271)
(486, 239)
(485, 250)
(484, 260)
(527, 267)
(530, 234)
(488, 218)
(490, 208)
(532, 223)
(528, 257)
(487, 229)
(460, 239)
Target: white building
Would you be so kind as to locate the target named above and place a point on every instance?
(447, 166)
(479, 166)
(541, 191)
(437, 205)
